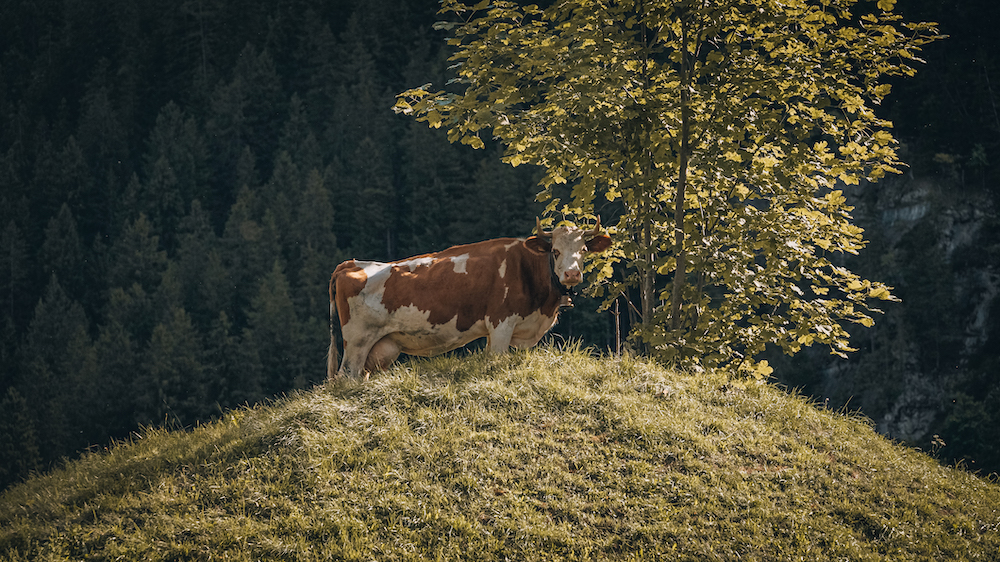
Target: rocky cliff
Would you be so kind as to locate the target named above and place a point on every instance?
(927, 373)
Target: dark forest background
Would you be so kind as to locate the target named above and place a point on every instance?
(178, 180)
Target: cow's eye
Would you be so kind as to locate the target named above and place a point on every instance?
(556, 253)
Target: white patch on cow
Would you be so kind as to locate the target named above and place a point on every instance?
(506, 289)
(410, 330)
(415, 263)
(374, 269)
(500, 334)
(518, 332)
(460, 262)
(507, 247)
(503, 269)
(530, 330)
(367, 305)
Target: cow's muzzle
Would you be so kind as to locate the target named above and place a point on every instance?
(572, 278)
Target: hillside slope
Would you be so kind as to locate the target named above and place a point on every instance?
(543, 455)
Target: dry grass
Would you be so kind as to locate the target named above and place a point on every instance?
(543, 455)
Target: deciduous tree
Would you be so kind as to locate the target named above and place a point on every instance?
(720, 131)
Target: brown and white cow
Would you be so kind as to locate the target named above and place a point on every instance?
(507, 290)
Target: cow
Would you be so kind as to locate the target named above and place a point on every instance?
(508, 290)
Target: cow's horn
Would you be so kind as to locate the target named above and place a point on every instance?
(538, 229)
(597, 228)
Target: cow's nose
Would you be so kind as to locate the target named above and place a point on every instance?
(572, 277)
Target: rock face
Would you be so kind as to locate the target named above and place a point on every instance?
(930, 365)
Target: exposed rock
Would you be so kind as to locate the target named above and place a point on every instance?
(935, 242)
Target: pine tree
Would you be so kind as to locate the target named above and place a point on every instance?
(54, 362)
(276, 195)
(116, 354)
(76, 187)
(104, 145)
(375, 209)
(436, 180)
(18, 442)
(248, 108)
(173, 386)
(298, 138)
(200, 264)
(62, 252)
(175, 171)
(316, 62)
(508, 192)
(232, 369)
(249, 248)
(274, 331)
(315, 253)
(14, 275)
(136, 257)
(176, 139)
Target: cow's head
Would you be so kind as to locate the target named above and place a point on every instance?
(567, 246)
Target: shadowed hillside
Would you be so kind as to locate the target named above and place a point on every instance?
(543, 455)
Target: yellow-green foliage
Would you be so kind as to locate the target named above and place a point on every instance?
(542, 455)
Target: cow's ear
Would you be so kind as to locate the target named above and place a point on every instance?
(538, 245)
(599, 243)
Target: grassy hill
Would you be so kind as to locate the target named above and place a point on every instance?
(543, 455)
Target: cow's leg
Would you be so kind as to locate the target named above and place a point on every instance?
(355, 355)
(498, 337)
(383, 353)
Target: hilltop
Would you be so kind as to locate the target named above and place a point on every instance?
(540, 455)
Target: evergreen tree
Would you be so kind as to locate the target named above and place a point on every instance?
(509, 194)
(117, 356)
(249, 247)
(18, 441)
(315, 253)
(62, 252)
(14, 291)
(276, 195)
(104, 145)
(55, 361)
(136, 257)
(298, 138)
(175, 171)
(200, 264)
(160, 200)
(46, 186)
(173, 386)
(233, 370)
(275, 333)
(316, 62)
(375, 208)
(436, 180)
(177, 140)
(250, 107)
(75, 185)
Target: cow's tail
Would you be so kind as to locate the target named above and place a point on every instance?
(332, 357)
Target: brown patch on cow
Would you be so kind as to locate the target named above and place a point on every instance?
(599, 243)
(347, 281)
(472, 296)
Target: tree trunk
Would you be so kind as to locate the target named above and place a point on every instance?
(680, 273)
(648, 271)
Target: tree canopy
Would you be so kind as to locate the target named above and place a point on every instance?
(716, 133)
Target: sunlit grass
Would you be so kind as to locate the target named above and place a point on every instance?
(540, 455)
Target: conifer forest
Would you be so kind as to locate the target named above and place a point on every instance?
(179, 179)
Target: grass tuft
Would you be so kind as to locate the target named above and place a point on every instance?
(540, 455)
